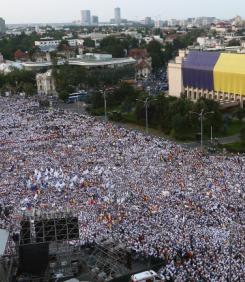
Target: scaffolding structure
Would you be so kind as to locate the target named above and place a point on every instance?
(108, 261)
(102, 261)
(61, 232)
(53, 227)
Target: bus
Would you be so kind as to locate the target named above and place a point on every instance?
(76, 97)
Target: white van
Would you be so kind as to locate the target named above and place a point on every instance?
(146, 276)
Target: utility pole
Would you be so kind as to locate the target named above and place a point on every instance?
(146, 103)
(105, 105)
(146, 116)
(201, 115)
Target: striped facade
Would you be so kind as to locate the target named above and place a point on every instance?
(215, 71)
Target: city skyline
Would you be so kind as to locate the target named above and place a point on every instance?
(62, 11)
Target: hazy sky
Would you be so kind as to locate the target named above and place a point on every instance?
(26, 11)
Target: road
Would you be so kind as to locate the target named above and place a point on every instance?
(221, 140)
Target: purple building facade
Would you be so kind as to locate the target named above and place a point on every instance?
(198, 69)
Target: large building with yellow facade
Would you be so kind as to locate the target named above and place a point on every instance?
(213, 75)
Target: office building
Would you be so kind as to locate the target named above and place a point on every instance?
(95, 20)
(2, 26)
(85, 17)
(148, 21)
(214, 75)
(158, 24)
(117, 16)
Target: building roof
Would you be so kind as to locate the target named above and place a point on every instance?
(20, 55)
(138, 53)
(86, 63)
(81, 62)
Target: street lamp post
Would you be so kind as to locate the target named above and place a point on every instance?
(105, 104)
(146, 103)
(201, 115)
(103, 91)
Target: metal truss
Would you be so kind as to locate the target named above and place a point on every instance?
(108, 259)
(54, 227)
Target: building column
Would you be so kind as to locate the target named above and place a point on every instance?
(191, 94)
(241, 101)
(188, 92)
(202, 91)
(230, 97)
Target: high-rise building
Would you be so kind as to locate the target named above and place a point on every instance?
(117, 12)
(86, 17)
(2, 26)
(158, 24)
(148, 21)
(95, 20)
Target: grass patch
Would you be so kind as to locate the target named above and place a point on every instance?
(236, 147)
(234, 127)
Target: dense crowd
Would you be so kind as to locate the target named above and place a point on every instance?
(155, 196)
(156, 82)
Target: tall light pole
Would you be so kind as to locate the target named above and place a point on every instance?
(201, 115)
(146, 103)
(105, 105)
(104, 92)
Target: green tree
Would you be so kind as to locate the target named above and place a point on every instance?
(215, 120)
(29, 88)
(180, 126)
(242, 136)
(234, 42)
(96, 100)
(69, 78)
(113, 45)
(89, 43)
(63, 45)
(124, 96)
(24, 42)
(160, 113)
(240, 114)
(154, 48)
(63, 95)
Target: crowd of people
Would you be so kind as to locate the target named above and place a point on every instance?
(153, 195)
(156, 82)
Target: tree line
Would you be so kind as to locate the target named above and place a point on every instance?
(18, 81)
(23, 42)
(69, 79)
(170, 115)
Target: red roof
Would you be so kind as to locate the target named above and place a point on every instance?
(20, 55)
(138, 53)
